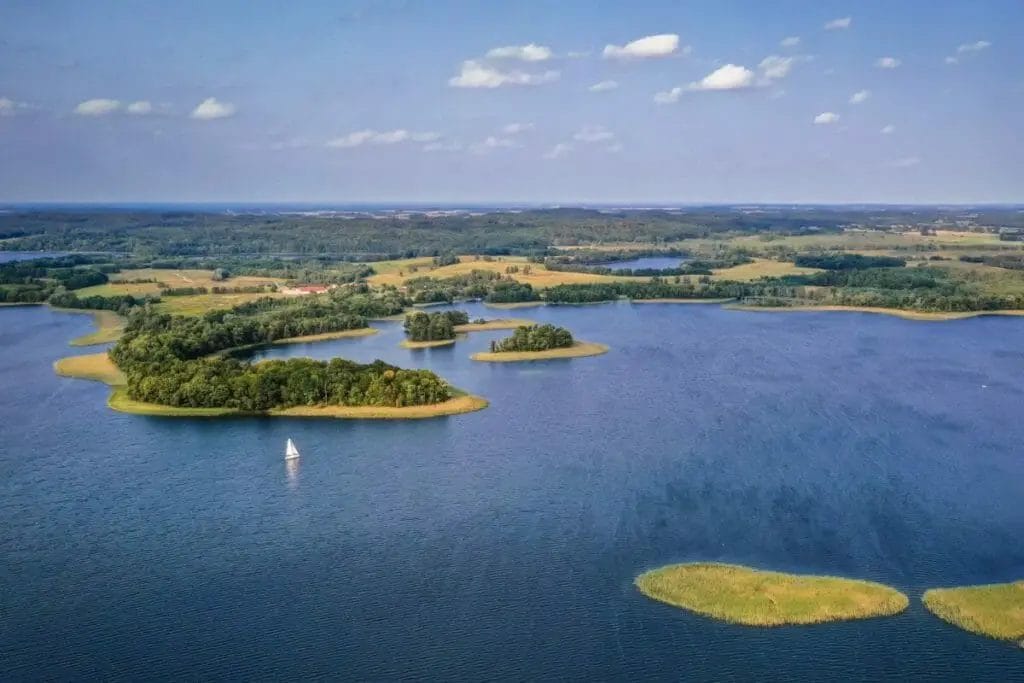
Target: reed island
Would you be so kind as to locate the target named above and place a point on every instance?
(754, 597)
(994, 610)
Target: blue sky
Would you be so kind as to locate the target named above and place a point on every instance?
(435, 101)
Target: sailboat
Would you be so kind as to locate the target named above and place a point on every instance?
(290, 451)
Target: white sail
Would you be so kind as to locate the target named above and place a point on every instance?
(290, 451)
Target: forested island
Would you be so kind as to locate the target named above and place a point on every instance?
(539, 342)
(179, 361)
(424, 330)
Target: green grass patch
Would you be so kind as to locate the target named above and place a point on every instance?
(497, 324)
(327, 336)
(752, 597)
(995, 610)
(409, 344)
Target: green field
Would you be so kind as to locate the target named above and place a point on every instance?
(752, 597)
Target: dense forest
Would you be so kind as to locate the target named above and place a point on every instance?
(362, 237)
(34, 281)
(173, 360)
(534, 338)
(847, 261)
(439, 326)
(477, 284)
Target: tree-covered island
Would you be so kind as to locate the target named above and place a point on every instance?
(539, 342)
(180, 361)
(424, 330)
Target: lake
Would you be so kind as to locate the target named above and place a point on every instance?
(502, 544)
(8, 256)
(651, 262)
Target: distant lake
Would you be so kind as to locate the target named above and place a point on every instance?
(502, 545)
(659, 262)
(8, 256)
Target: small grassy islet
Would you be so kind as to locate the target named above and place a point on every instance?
(994, 610)
(754, 597)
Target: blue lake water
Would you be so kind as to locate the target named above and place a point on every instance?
(502, 545)
(8, 256)
(653, 262)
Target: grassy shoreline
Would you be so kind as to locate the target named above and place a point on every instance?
(993, 610)
(109, 327)
(680, 301)
(577, 350)
(515, 304)
(498, 324)
(754, 597)
(409, 344)
(897, 312)
(99, 368)
(326, 336)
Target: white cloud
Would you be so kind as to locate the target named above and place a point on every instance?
(826, 118)
(577, 54)
(592, 133)
(790, 41)
(888, 129)
(516, 128)
(604, 86)
(974, 47)
(388, 137)
(492, 142)
(211, 108)
(442, 147)
(887, 62)
(905, 162)
(559, 150)
(477, 74)
(9, 107)
(97, 107)
(140, 108)
(841, 23)
(952, 60)
(617, 147)
(860, 96)
(728, 77)
(353, 139)
(525, 53)
(661, 45)
(668, 96)
(774, 67)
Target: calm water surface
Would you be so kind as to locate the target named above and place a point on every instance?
(502, 545)
(654, 262)
(8, 256)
